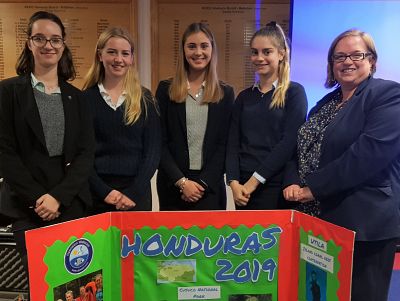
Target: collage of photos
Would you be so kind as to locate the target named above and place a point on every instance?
(85, 288)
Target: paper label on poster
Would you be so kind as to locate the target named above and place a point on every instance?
(317, 258)
(318, 243)
(199, 293)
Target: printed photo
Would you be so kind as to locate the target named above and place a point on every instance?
(315, 283)
(85, 288)
(176, 271)
(251, 297)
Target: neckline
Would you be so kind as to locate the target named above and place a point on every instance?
(340, 102)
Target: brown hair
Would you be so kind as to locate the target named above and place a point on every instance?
(26, 63)
(178, 89)
(369, 42)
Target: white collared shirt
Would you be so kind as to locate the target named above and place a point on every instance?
(257, 85)
(38, 85)
(107, 97)
(199, 94)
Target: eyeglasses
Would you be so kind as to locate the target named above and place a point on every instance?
(41, 41)
(359, 56)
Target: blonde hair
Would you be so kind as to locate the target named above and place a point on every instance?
(212, 91)
(369, 42)
(275, 32)
(131, 84)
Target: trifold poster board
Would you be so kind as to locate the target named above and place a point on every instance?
(169, 256)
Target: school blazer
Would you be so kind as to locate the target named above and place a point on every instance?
(174, 162)
(24, 160)
(358, 177)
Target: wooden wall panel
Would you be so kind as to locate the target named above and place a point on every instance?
(233, 24)
(84, 21)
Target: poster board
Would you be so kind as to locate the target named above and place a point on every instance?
(233, 23)
(169, 256)
(83, 20)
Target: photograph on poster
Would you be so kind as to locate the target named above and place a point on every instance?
(176, 271)
(246, 297)
(316, 283)
(84, 288)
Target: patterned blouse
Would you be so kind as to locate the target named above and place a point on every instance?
(309, 141)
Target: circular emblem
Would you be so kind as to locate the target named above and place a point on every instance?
(78, 256)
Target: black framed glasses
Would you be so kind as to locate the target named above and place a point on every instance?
(41, 41)
(358, 56)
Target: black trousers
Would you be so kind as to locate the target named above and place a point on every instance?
(372, 269)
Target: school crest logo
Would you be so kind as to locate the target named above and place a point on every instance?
(78, 256)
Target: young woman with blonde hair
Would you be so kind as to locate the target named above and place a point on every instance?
(195, 112)
(126, 125)
(265, 120)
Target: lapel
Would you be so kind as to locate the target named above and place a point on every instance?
(211, 127)
(27, 104)
(181, 111)
(346, 110)
(69, 103)
(336, 121)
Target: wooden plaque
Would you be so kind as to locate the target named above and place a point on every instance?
(233, 23)
(84, 21)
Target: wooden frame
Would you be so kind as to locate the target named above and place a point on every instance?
(82, 37)
(155, 26)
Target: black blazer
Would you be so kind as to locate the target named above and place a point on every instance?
(24, 160)
(358, 177)
(174, 162)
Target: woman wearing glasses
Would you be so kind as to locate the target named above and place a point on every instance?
(46, 139)
(349, 160)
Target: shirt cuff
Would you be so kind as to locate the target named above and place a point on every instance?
(259, 178)
(228, 181)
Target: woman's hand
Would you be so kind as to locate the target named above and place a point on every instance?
(47, 207)
(251, 185)
(192, 191)
(295, 193)
(291, 193)
(240, 194)
(113, 197)
(125, 203)
(305, 195)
